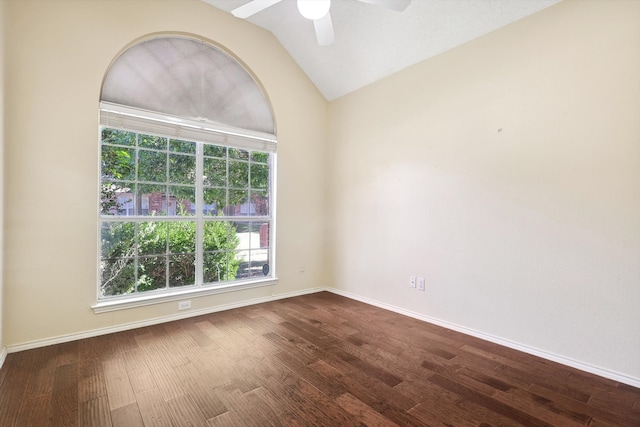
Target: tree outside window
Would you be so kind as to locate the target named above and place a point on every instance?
(180, 214)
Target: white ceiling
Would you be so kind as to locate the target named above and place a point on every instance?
(373, 42)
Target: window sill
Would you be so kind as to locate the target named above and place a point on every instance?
(144, 300)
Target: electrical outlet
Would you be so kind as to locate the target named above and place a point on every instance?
(421, 283)
(412, 281)
(184, 305)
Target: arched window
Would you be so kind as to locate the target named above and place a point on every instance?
(187, 148)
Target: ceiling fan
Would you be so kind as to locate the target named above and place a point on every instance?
(316, 11)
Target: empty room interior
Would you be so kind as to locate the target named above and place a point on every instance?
(430, 218)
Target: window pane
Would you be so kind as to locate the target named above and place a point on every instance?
(152, 238)
(182, 237)
(117, 265)
(182, 169)
(118, 137)
(215, 151)
(182, 270)
(243, 264)
(113, 196)
(243, 229)
(118, 163)
(117, 276)
(152, 166)
(236, 153)
(152, 273)
(259, 235)
(214, 201)
(151, 141)
(238, 174)
(215, 172)
(260, 201)
(259, 157)
(181, 201)
(126, 203)
(253, 249)
(238, 205)
(214, 267)
(182, 146)
(253, 264)
(151, 199)
(260, 266)
(117, 239)
(258, 248)
(220, 239)
(259, 176)
(219, 236)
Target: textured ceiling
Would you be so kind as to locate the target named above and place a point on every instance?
(373, 42)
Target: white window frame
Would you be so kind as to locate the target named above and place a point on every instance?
(146, 122)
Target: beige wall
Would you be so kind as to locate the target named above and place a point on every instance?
(507, 173)
(57, 54)
(2, 26)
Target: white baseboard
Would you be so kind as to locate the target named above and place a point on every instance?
(3, 356)
(606, 373)
(127, 326)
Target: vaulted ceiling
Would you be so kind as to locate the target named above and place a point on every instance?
(372, 42)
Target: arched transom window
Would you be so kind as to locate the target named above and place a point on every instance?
(187, 150)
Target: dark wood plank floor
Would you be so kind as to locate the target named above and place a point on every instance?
(315, 360)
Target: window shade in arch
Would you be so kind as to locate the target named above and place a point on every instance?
(186, 88)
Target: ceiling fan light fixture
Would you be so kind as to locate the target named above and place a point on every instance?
(314, 9)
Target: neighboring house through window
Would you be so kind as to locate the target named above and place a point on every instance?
(188, 146)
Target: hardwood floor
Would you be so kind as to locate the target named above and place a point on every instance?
(315, 360)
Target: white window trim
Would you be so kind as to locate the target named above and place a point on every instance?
(123, 117)
(125, 302)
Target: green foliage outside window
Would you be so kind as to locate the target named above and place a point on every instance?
(146, 254)
(139, 256)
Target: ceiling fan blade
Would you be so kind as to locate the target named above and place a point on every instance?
(324, 30)
(398, 5)
(253, 7)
